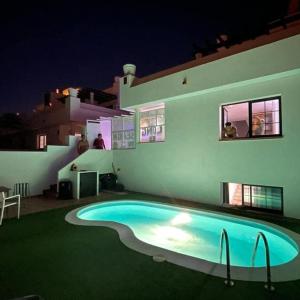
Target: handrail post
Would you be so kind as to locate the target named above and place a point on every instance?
(224, 235)
(268, 284)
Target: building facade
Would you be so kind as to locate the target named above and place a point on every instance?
(181, 114)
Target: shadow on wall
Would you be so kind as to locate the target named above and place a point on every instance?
(61, 160)
(38, 168)
(91, 160)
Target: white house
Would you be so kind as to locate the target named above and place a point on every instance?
(65, 112)
(181, 112)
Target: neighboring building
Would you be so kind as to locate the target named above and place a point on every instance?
(11, 124)
(58, 123)
(181, 112)
(64, 112)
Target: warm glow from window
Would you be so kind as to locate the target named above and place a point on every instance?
(41, 141)
(152, 124)
(66, 92)
(251, 119)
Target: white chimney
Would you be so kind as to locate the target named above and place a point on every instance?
(129, 74)
(73, 92)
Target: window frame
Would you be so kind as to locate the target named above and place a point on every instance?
(250, 135)
(243, 206)
(122, 131)
(152, 126)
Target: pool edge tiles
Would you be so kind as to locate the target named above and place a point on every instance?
(285, 272)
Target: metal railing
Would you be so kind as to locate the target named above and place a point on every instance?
(224, 236)
(268, 285)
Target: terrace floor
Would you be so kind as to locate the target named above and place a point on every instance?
(42, 254)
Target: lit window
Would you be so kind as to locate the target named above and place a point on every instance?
(66, 92)
(41, 141)
(123, 132)
(253, 196)
(253, 119)
(152, 124)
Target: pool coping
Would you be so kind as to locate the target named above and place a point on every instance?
(286, 272)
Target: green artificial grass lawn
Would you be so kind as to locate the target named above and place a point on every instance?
(42, 254)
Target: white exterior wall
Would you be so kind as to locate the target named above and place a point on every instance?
(256, 65)
(38, 168)
(80, 112)
(91, 160)
(192, 162)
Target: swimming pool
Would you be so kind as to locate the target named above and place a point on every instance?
(190, 233)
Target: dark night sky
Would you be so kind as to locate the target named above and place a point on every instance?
(50, 44)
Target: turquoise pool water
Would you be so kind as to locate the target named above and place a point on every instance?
(195, 233)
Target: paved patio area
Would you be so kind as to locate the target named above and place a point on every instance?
(42, 203)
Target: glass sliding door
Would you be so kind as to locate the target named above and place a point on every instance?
(253, 196)
(267, 197)
(247, 194)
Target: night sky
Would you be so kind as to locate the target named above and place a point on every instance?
(51, 44)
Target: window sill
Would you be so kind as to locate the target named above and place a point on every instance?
(123, 148)
(251, 138)
(151, 142)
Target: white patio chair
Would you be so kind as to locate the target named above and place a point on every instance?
(9, 201)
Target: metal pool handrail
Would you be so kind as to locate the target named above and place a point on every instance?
(224, 235)
(268, 285)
